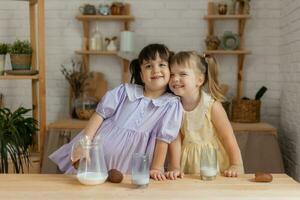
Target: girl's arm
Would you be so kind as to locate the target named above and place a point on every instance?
(90, 130)
(93, 125)
(174, 159)
(226, 135)
(159, 156)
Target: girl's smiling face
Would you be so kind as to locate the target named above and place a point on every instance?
(155, 74)
(185, 81)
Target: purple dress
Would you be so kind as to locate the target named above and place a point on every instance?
(132, 123)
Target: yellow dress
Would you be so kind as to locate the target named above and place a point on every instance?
(198, 132)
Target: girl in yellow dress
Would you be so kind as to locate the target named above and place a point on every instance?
(205, 123)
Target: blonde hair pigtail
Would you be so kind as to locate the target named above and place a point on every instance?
(212, 79)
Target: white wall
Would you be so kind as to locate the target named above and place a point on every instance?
(176, 23)
(290, 72)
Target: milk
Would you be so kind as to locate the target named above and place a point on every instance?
(140, 179)
(208, 171)
(91, 178)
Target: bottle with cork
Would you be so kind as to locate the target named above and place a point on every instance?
(96, 40)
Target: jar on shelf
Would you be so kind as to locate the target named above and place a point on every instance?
(231, 4)
(222, 8)
(85, 106)
(117, 8)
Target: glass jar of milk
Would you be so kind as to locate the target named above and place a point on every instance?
(92, 169)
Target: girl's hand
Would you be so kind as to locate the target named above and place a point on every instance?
(234, 171)
(157, 175)
(174, 174)
(76, 154)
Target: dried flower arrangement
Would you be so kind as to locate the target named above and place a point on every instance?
(76, 77)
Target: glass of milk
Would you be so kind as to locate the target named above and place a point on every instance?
(140, 170)
(92, 169)
(208, 163)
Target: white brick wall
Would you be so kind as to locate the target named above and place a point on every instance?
(176, 23)
(290, 95)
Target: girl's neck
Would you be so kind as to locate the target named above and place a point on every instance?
(190, 102)
(153, 94)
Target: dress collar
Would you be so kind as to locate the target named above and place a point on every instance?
(135, 92)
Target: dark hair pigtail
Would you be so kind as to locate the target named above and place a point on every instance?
(135, 71)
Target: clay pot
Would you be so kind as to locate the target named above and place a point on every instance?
(222, 8)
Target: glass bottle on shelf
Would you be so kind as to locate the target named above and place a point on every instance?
(96, 39)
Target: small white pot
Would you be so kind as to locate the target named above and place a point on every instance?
(2, 63)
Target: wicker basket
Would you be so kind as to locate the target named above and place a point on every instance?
(246, 111)
(20, 61)
(226, 106)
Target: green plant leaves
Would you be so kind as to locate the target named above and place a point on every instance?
(20, 47)
(3, 48)
(16, 136)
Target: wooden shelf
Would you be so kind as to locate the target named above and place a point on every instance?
(68, 124)
(227, 52)
(19, 77)
(124, 19)
(37, 40)
(226, 17)
(258, 128)
(92, 52)
(32, 2)
(105, 17)
(241, 17)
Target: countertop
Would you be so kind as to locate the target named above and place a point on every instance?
(59, 186)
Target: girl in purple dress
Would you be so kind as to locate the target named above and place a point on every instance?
(134, 118)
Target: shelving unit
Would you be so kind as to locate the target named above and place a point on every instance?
(236, 52)
(85, 52)
(221, 17)
(37, 39)
(241, 52)
(92, 52)
(19, 77)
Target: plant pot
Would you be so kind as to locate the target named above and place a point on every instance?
(222, 8)
(2, 63)
(116, 10)
(20, 61)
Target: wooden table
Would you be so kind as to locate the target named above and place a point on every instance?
(257, 141)
(45, 186)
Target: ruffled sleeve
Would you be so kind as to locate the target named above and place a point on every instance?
(169, 125)
(110, 101)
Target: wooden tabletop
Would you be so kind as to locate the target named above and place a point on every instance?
(75, 124)
(58, 186)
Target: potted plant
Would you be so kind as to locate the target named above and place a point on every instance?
(3, 52)
(16, 136)
(20, 55)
